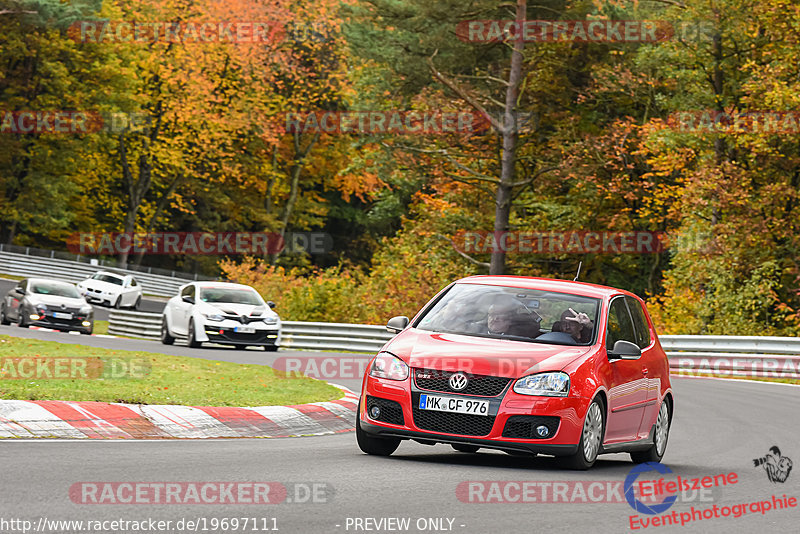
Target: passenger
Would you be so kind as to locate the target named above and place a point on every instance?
(578, 325)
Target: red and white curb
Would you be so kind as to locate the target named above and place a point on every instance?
(101, 420)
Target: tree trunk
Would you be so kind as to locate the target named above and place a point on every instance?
(508, 160)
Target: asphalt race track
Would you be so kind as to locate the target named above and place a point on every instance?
(719, 428)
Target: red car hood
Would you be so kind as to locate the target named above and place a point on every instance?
(480, 355)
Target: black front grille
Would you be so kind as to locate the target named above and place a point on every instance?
(244, 319)
(480, 385)
(391, 411)
(453, 423)
(524, 426)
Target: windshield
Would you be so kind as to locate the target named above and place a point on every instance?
(108, 278)
(230, 295)
(57, 289)
(514, 313)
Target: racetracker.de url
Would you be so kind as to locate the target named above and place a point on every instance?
(89, 526)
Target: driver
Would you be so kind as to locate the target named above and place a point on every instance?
(508, 317)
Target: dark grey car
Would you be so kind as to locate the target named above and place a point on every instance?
(49, 304)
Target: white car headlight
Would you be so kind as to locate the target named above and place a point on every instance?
(271, 320)
(389, 366)
(86, 311)
(544, 384)
(216, 317)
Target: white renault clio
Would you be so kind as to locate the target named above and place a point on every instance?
(220, 312)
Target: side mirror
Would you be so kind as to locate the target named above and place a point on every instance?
(396, 324)
(625, 350)
(187, 299)
(271, 304)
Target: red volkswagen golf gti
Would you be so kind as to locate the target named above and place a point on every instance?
(525, 365)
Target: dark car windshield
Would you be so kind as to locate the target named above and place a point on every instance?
(57, 289)
(229, 295)
(111, 279)
(513, 313)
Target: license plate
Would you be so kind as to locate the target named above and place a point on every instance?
(60, 315)
(453, 405)
(244, 330)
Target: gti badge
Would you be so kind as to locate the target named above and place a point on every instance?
(458, 381)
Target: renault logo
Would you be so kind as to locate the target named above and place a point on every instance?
(458, 381)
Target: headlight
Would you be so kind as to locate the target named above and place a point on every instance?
(386, 365)
(271, 320)
(41, 308)
(545, 384)
(86, 311)
(214, 317)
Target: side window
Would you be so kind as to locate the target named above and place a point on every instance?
(23, 285)
(620, 326)
(133, 282)
(188, 291)
(639, 322)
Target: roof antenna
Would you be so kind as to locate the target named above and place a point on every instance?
(579, 271)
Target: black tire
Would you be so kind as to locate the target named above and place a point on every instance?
(372, 445)
(660, 438)
(3, 319)
(166, 338)
(118, 303)
(463, 447)
(21, 318)
(190, 337)
(88, 331)
(594, 426)
(137, 303)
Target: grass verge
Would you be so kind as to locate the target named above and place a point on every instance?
(148, 378)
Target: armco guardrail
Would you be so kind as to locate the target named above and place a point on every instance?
(134, 324)
(18, 264)
(688, 355)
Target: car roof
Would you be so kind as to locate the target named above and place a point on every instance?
(49, 281)
(222, 285)
(545, 284)
(112, 273)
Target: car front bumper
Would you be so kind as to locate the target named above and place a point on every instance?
(499, 429)
(226, 334)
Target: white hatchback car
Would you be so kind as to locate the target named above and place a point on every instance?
(221, 312)
(112, 289)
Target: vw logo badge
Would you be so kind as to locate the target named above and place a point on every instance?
(458, 381)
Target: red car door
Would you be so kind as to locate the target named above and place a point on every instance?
(651, 365)
(627, 393)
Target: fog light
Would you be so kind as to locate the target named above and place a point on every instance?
(542, 431)
(34, 317)
(374, 412)
(86, 323)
